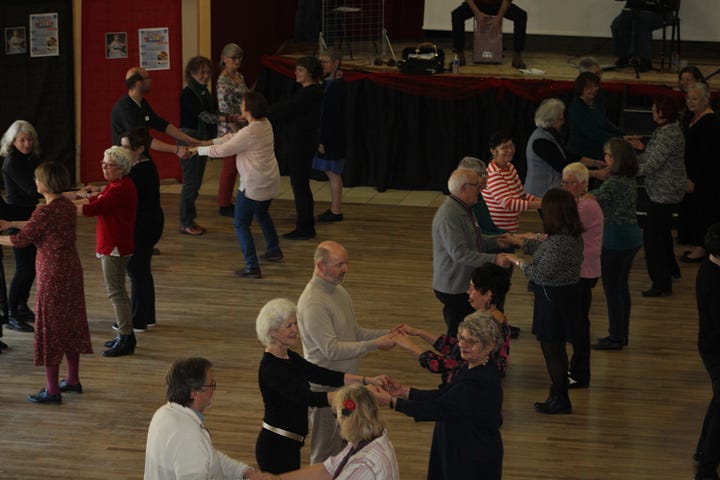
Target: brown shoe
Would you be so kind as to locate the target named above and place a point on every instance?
(198, 227)
(190, 230)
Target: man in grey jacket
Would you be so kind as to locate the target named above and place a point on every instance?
(459, 246)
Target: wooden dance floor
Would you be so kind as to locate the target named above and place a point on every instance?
(640, 418)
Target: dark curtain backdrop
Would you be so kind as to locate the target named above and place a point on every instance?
(261, 28)
(40, 90)
(409, 132)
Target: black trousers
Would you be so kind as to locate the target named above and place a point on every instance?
(616, 265)
(24, 276)
(556, 361)
(142, 287)
(456, 306)
(514, 13)
(708, 448)
(579, 334)
(275, 453)
(299, 168)
(658, 243)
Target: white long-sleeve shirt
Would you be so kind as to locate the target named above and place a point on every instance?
(179, 448)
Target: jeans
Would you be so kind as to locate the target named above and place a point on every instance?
(514, 13)
(114, 269)
(616, 265)
(624, 35)
(245, 210)
(193, 169)
(142, 287)
(456, 306)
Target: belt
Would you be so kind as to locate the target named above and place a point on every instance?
(284, 433)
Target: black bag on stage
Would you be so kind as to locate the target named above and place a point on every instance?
(425, 59)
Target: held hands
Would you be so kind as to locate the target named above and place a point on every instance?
(386, 342)
(382, 396)
(503, 260)
(635, 141)
(602, 174)
(505, 240)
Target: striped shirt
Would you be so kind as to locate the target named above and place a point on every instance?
(375, 461)
(505, 196)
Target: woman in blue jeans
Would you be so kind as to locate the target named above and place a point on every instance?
(253, 147)
(622, 238)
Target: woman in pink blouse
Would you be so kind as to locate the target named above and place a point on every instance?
(504, 193)
(254, 151)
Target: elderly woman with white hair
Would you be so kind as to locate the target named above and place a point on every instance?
(698, 209)
(546, 154)
(115, 208)
(21, 150)
(284, 379)
(467, 412)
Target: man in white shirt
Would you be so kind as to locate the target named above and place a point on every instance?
(179, 446)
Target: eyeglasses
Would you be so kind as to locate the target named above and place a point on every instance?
(476, 185)
(469, 341)
(236, 57)
(567, 183)
(211, 386)
(288, 325)
(108, 165)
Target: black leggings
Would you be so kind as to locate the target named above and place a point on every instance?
(277, 454)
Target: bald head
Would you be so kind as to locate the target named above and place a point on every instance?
(137, 79)
(465, 185)
(331, 261)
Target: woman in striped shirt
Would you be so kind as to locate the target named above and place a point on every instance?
(504, 193)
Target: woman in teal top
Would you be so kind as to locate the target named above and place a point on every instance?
(622, 238)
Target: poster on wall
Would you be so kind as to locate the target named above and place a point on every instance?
(116, 45)
(44, 35)
(154, 48)
(15, 40)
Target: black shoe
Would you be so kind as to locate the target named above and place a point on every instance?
(44, 397)
(66, 387)
(656, 292)
(248, 272)
(227, 211)
(514, 331)
(329, 216)
(272, 256)
(111, 343)
(300, 235)
(554, 405)
(125, 345)
(19, 325)
(609, 343)
(23, 312)
(3, 345)
(573, 384)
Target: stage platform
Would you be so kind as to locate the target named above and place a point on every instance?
(410, 131)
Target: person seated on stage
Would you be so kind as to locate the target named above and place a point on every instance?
(481, 9)
(634, 27)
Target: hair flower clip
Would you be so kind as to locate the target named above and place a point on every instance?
(349, 407)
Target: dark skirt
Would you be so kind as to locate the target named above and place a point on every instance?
(556, 311)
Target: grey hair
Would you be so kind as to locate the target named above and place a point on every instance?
(483, 327)
(273, 314)
(230, 50)
(18, 127)
(548, 112)
(335, 54)
(702, 89)
(458, 178)
(121, 156)
(587, 63)
(577, 170)
(474, 164)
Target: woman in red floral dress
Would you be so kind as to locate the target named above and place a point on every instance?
(61, 326)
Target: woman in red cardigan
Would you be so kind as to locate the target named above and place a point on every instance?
(115, 208)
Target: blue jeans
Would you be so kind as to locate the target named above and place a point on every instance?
(245, 210)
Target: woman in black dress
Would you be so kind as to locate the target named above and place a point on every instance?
(284, 379)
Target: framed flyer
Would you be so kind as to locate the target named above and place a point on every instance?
(116, 45)
(15, 42)
(44, 35)
(154, 48)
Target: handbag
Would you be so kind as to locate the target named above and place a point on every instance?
(425, 59)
